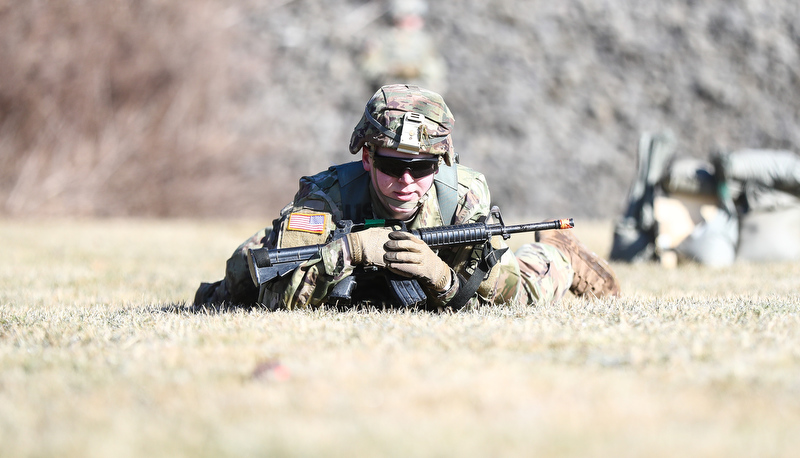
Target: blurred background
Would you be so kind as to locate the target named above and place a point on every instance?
(212, 108)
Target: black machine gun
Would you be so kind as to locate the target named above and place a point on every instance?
(267, 265)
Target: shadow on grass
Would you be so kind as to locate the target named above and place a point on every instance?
(208, 309)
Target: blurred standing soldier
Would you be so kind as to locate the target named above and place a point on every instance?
(739, 205)
(405, 52)
(406, 172)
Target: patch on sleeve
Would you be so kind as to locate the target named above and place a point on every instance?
(316, 223)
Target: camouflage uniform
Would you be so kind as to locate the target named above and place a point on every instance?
(536, 273)
(405, 54)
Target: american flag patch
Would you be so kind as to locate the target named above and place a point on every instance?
(307, 222)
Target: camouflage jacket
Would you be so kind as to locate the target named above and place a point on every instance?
(319, 200)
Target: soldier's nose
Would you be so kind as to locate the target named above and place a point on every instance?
(406, 177)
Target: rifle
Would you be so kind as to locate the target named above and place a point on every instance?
(267, 265)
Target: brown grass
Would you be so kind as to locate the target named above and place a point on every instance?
(98, 358)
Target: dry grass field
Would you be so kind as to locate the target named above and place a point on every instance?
(98, 357)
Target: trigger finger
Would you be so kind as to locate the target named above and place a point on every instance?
(400, 235)
(400, 245)
(399, 257)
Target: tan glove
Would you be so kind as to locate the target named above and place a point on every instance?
(366, 247)
(409, 256)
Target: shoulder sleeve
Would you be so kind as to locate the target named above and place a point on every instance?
(320, 192)
(474, 197)
(309, 220)
(313, 213)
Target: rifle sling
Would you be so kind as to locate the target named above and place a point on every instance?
(471, 286)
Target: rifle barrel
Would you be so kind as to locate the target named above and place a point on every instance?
(567, 223)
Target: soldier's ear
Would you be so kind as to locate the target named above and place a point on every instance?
(366, 159)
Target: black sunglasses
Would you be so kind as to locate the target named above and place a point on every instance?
(397, 166)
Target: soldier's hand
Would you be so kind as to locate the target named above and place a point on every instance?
(409, 256)
(366, 247)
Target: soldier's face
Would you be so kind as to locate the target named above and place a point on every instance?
(399, 185)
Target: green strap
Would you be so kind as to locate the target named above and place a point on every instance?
(446, 183)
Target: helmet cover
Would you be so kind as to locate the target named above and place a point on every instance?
(392, 119)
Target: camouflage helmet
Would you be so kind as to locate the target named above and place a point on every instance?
(406, 118)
